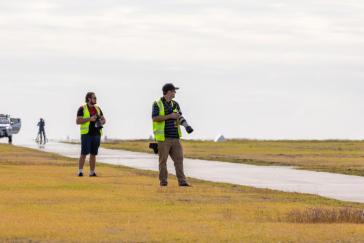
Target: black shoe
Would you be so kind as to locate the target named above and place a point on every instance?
(92, 175)
(184, 184)
(80, 174)
(163, 184)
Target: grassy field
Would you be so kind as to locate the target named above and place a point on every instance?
(42, 200)
(346, 157)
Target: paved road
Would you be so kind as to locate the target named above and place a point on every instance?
(342, 187)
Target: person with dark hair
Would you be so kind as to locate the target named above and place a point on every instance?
(167, 118)
(91, 121)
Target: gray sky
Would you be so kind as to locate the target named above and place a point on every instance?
(248, 69)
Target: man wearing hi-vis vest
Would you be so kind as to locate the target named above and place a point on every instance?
(167, 118)
(91, 121)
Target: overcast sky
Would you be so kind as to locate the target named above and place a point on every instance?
(247, 69)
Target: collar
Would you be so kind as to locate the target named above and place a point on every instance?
(165, 101)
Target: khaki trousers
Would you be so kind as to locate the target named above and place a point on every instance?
(172, 147)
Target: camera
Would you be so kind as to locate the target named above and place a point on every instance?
(98, 123)
(154, 146)
(182, 121)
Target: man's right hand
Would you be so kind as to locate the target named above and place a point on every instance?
(174, 116)
(93, 118)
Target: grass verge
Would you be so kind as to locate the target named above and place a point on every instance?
(43, 200)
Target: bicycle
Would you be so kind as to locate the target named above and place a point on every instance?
(41, 139)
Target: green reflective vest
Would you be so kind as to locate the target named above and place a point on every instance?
(84, 128)
(158, 127)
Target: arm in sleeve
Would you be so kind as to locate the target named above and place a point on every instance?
(178, 108)
(155, 111)
(80, 112)
(79, 118)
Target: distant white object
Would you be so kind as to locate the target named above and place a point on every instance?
(220, 139)
(151, 138)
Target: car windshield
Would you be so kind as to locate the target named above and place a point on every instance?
(4, 121)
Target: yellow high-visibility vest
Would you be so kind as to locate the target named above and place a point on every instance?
(158, 127)
(84, 128)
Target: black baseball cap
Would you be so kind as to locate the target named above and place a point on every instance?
(169, 86)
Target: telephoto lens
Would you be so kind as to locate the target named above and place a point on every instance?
(184, 123)
(189, 129)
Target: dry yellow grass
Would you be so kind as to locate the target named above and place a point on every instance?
(42, 200)
(325, 215)
(346, 157)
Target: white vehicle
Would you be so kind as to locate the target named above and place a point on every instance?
(9, 126)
